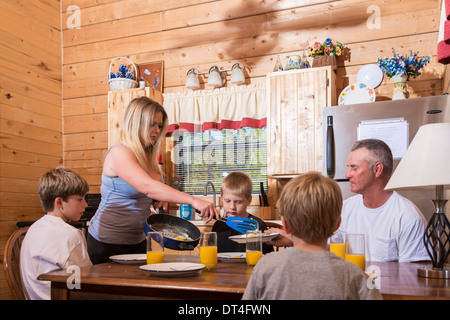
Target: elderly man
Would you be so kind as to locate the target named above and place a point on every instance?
(393, 225)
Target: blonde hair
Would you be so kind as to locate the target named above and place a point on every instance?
(311, 205)
(135, 131)
(60, 182)
(237, 182)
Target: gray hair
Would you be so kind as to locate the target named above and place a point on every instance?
(379, 152)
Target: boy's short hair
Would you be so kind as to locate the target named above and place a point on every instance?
(311, 205)
(60, 182)
(237, 182)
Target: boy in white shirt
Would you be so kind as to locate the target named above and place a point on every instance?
(51, 243)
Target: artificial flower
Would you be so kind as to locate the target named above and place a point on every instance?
(403, 65)
(327, 48)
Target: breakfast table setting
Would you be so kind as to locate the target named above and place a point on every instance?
(189, 274)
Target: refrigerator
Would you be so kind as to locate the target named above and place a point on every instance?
(395, 121)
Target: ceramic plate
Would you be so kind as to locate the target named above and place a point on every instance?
(130, 258)
(357, 92)
(370, 74)
(266, 237)
(231, 256)
(173, 269)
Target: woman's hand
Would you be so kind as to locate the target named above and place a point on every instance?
(282, 240)
(206, 209)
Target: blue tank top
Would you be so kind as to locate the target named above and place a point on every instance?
(122, 213)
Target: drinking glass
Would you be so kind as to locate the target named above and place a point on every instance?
(355, 250)
(155, 247)
(337, 244)
(253, 249)
(208, 249)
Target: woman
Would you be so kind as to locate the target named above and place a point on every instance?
(131, 181)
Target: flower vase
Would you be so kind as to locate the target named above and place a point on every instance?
(400, 90)
(293, 62)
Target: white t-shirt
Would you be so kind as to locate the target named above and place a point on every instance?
(50, 244)
(393, 232)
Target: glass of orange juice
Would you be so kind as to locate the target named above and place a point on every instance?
(155, 247)
(208, 249)
(337, 244)
(253, 249)
(355, 250)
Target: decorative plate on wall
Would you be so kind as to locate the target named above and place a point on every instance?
(371, 75)
(357, 92)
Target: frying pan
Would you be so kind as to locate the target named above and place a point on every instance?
(159, 222)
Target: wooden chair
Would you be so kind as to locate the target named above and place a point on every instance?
(11, 263)
(269, 225)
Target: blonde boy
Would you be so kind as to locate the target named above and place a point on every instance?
(236, 194)
(51, 243)
(310, 207)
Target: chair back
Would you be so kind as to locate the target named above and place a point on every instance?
(11, 263)
(269, 225)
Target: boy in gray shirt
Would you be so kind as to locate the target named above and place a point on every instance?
(310, 207)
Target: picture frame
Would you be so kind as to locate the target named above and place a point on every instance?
(152, 73)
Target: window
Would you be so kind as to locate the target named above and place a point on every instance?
(210, 155)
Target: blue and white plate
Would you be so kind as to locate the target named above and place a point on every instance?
(370, 74)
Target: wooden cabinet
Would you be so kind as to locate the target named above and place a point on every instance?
(294, 121)
(117, 104)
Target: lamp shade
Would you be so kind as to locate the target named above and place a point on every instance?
(215, 79)
(237, 75)
(426, 163)
(192, 81)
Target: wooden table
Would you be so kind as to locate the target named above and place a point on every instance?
(112, 280)
(399, 280)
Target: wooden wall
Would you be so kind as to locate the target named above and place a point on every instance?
(183, 33)
(203, 32)
(30, 119)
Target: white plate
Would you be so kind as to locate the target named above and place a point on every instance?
(173, 269)
(357, 92)
(140, 258)
(231, 256)
(265, 237)
(370, 74)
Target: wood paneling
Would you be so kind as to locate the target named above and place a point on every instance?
(31, 113)
(201, 33)
(42, 58)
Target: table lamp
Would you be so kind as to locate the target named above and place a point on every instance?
(426, 164)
